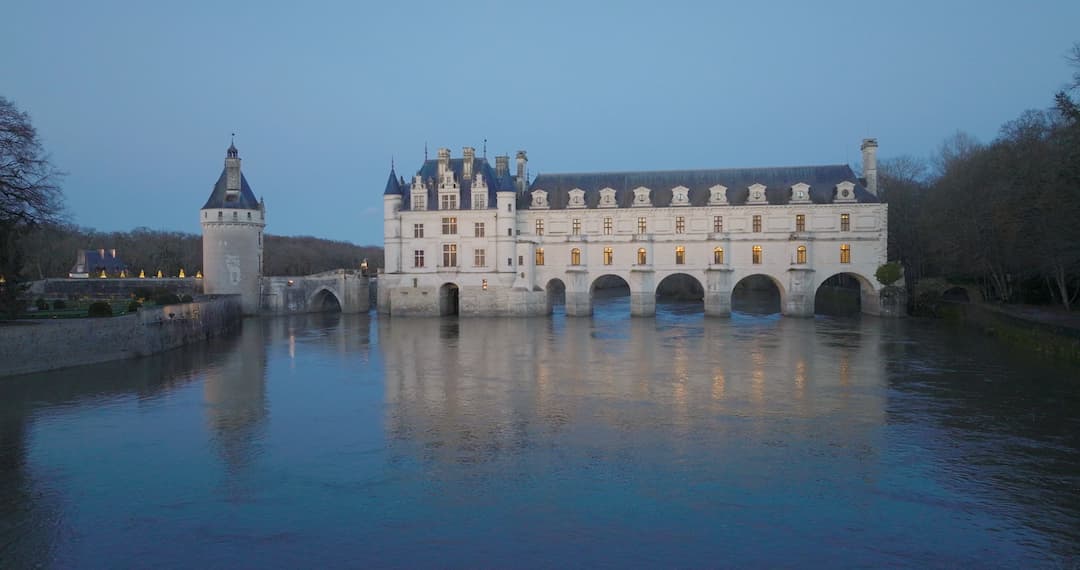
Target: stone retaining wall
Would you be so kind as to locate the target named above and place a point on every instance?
(34, 346)
(110, 288)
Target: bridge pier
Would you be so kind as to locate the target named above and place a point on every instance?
(642, 292)
(718, 287)
(578, 304)
(800, 293)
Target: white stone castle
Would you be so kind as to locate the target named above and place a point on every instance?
(464, 237)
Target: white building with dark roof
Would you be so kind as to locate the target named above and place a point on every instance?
(464, 237)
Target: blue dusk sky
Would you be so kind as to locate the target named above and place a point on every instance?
(136, 100)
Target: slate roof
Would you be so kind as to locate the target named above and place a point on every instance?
(430, 174)
(93, 261)
(247, 199)
(778, 182)
(392, 185)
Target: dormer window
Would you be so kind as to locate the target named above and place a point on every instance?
(641, 197)
(479, 192)
(680, 196)
(447, 201)
(607, 198)
(757, 194)
(800, 193)
(539, 199)
(718, 195)
(845, 192)
(576, 198)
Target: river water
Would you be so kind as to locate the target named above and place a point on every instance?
(678, 441)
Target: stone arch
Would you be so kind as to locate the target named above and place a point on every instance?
(556, 293)
(868, 300)
(449, 299)
(681, 286)
(325, 300)
(744, 300)
(610, 289)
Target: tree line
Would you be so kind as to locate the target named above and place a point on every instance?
(1002, 216)
(49, 250)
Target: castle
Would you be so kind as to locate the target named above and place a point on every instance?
(463, 236)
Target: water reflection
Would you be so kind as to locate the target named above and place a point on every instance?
(325, 440)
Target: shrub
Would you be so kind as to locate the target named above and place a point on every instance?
(134, 306)
(889, 273)
(166, 299)
(100, 309)
(143, 293)
(186, 298)
(59, 304)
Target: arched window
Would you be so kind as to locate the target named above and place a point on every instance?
(539, 256)
(609, 256)
(718, 256)
(845, 253)
(756, 257)
(680, 255)
(800, 255)
(642, 259)
(575, 256)
(249, 215)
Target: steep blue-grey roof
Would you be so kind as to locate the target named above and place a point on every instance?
(246, 200)
(429, 172)
(778, 182)
(392, 185)
(94, 261)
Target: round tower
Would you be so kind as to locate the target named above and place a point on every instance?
(232, 230)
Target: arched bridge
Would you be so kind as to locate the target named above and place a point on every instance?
(339, 290)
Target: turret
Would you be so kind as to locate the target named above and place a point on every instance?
(392, 199)
(232, 225)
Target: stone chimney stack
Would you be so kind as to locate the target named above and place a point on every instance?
(502, 165)
(522, 160)
(444, 162)
(469, 154)
(869, 164)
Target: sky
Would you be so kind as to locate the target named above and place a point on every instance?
(136, 101)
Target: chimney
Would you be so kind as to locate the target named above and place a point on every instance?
(469, 154)
(502, 165)
(869, 164)
(112, 252)
(522, 160)
(444, 162)
(101, 253)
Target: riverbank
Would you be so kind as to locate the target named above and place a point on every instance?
(27, 346)
(1052, 333)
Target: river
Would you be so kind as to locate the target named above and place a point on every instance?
(679, 441)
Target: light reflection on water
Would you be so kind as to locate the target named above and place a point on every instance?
(604, 441)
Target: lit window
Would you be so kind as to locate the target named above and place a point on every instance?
(539, 256)
(757, 223)
(447, 202)
(641, 225)
(479, 258)
(609, 256)
(800, 255)
(449, 226)
(418, 258)
(575, 227)
(756, 258)
(419, 203)
(575, 256)
(539, 227)
(418, 230)
(800, 223)
(845, 253)
(680, 255)
(607, 226)
(845, 222)
(478, 229)
(641, 257)
(483, 284)
(680, 224)
(718, 256)
(449, 255)
(717, 224)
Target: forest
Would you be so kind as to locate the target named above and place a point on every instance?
(49, 251)
(1002, 216)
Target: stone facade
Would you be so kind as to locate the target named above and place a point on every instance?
(463, 237)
